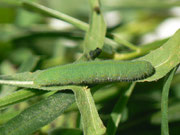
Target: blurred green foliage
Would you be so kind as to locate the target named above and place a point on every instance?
(30, 41)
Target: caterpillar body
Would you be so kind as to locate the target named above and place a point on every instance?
(94, 72)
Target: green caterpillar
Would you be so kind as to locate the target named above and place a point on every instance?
(94, 72)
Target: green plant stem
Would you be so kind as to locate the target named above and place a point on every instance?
(141, 50)
(55, 14)
(116, 114)
(58, 15)
(164, 103)
(125, 43)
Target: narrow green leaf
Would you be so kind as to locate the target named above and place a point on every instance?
(164, 103)
(164, 58)
(32, 6)
(19, 96)
(102, 94)
(95, 35)
(38, 115)
(116, 114)
(92, 124)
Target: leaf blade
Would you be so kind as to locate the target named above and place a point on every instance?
(164, 58)
(95, 35)
(92, 124)
(38, 115)
(18, 96)
(164, 103)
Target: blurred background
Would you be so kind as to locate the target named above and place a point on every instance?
(43, 42)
